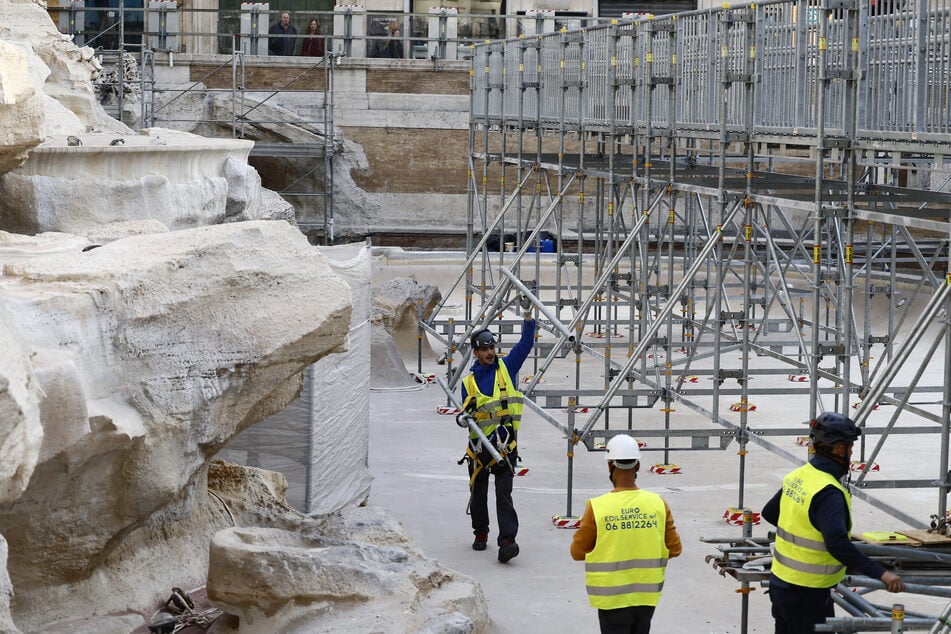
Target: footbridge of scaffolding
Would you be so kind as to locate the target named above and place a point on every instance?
(726, 221)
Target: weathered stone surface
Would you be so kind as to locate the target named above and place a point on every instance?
(395, 303)
(21, 108)
(21, 432)
(175, 178)
(61, 72)
(6, 591)
(283, 581)
(154, 350)
(341, 572)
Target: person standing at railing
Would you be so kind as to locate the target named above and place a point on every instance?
(313, 45)
(281, 37)
(392, 46)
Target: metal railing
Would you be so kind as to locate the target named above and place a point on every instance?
(784, 53)
(168, 27)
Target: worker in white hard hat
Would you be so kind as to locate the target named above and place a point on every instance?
(625, 539)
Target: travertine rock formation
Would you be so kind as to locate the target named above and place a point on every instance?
(150, 352)
(178, 179)
(352, 571)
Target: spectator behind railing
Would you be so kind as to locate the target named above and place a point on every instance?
(392, 46)
(313, 45)
(281, 40)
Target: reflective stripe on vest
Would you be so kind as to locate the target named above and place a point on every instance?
(489, 410)
(626, 566)
(801, 557)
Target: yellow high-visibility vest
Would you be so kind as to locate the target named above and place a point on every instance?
(626, 567)
(489, 410)
(801, 557)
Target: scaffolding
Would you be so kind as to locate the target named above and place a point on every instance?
(743, 203)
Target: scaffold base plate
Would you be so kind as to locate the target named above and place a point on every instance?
(566, 521)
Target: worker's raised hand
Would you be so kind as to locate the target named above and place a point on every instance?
(893, 583)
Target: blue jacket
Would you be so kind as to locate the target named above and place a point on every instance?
(485, 374)
(830, 515)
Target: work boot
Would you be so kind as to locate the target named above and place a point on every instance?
(508, 550)
(481, 541)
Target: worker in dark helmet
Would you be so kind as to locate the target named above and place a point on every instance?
(812, 513)
(491, 397)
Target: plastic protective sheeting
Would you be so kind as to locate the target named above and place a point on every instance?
(320, 442)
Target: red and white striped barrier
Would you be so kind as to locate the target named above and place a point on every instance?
(798, 378)
(665, 469)
(424, 378)
(735, 516)
(448, 411)
(576, 410)
(803, 441)
(565, 522)
(691, 379)
(856, 465)
(520, 471)
(740, 407)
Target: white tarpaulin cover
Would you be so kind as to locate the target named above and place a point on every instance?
(320, 441)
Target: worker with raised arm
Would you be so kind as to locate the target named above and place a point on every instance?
(812, 513)
(489, 395)
(625, 539)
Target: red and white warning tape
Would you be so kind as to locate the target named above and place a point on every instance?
(740, 407)
(576, 410)
(856, 465)
(803, 441)
(665, 469)
(520, 471)
(565, 522)
(447, 411)
(691, 379)
(735, 516)
(424, 378)
(798, 378)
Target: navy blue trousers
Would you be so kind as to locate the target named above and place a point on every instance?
(504, 507)
(797, 610)
(635, 619)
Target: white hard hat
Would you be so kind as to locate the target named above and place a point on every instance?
(623, 448)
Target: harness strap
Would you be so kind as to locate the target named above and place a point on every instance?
(478, 465)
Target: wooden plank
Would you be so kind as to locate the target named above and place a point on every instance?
(926, 538)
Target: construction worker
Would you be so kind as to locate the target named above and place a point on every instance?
(625, 539)
(812, 513)
(489, 395)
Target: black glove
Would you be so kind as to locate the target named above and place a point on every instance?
(524, 302)
(463, 420)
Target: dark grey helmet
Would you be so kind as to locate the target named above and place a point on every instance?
(833, 427)
(482, 339)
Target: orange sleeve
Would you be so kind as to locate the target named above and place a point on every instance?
(586, 535)
(671, 538)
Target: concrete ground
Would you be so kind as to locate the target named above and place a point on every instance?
(413, 457)
(413, 454)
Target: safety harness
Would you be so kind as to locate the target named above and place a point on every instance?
(494, 416)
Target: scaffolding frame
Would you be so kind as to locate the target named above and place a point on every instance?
(767, 154)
